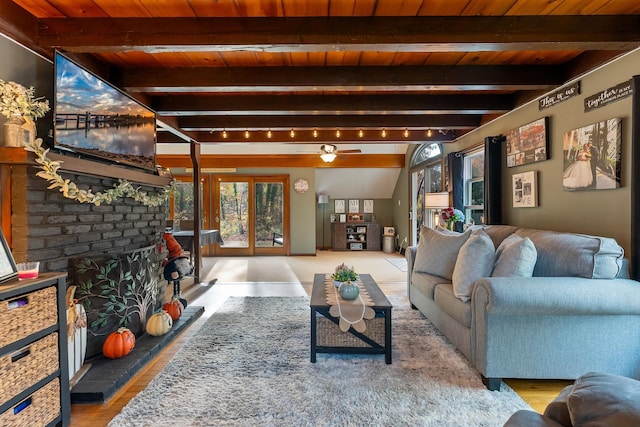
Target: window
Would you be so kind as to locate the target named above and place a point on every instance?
(426, 177)
(474, 187)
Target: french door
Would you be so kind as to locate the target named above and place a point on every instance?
(250, 212)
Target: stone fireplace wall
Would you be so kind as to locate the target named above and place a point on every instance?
(50, 228)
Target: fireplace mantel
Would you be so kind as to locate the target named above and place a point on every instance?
(19, 156)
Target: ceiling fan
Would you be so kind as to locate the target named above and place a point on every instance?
(330, 151)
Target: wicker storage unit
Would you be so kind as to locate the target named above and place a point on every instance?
(34, 378)
(330, 335)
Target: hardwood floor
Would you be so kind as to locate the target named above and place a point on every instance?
(536, 393)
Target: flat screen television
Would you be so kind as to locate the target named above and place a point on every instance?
(95, 119)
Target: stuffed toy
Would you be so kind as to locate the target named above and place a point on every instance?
(176, 266)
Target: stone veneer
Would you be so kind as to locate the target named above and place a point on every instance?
(50, 228)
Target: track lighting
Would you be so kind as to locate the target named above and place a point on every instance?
(315, 133)
(338, 133)
(361, 133)
(429, 133)
(384, 133)
(246, 134)
(224, 134)
(292, 133)
(406, 133)
(269, 134)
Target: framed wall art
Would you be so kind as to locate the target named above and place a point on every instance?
(8, 268)
(339, 206)
(368, 206)
(529, 143)
(591, 156)
(525, 190)
(354, 206)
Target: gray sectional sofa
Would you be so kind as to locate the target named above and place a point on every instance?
(563, 304)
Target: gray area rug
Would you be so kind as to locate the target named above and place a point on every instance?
(249, 366)
(399, 263)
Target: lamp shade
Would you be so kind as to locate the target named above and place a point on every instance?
(436, 200)
(323, 199)
(328, 157)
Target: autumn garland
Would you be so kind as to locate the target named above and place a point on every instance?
(70, 190)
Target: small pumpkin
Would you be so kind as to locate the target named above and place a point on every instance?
(174, 308)
(159, 323)
(119, 343)
(349, 290)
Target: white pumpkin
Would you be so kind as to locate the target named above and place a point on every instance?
(159, 323)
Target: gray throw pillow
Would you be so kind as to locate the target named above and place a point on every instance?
(515, 257)
(475, 261)
(600, 399)
(437, 252)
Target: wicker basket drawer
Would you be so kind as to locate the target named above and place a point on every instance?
(26, 314)
(25, 367)
(39, 409)
(328, 334)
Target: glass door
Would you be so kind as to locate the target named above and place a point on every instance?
(250, 213)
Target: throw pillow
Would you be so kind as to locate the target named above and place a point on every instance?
(600, 399)
(475, 260)
(437, 252)
(515, 257)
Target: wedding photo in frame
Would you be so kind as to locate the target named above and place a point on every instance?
(8, 268)
(525, 190)
(528, 144)
(591, 156)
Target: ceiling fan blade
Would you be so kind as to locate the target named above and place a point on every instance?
(357, 150)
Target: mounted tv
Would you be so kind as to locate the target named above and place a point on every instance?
(95, 119)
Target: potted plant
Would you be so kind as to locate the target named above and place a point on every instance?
(344, 273)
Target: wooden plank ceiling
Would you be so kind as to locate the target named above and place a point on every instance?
(421, 70)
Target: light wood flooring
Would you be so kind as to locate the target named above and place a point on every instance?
(294, 278)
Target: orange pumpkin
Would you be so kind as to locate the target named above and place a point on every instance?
(174, 308)
(119, 343)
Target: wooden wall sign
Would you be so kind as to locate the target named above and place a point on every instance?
(559, 96)
(607, 96)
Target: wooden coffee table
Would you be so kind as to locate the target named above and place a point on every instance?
(326, 336)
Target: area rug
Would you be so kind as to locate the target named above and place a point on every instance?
(249, 365)
(399, 263)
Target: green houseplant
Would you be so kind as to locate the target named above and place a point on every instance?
(344, 273)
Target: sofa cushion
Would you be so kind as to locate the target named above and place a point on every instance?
(558, 409)
(445, 299)
(426, 283)
(475, 260)
(525, 418)
(599, 399)
(515, 257)
(437, 252)
(574, 255)
(498, 232)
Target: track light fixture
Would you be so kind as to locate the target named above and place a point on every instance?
(406, 133)
(315, 133)
(292, 133)
(384, 133)
(429, 133)
(269, 134)
(361, 133)
(224, 133)
(246, 134)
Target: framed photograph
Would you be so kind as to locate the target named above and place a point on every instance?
(339, 206)
(343, 217)
(8, 269)
(528, 143)
(368, 206)
(389, 231)
(525, 188)
(591, 156)
(333, 217)
(354, 206)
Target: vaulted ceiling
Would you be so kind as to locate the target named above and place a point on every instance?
(421, 70)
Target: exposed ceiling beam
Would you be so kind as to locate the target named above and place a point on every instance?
(322, 34)
(19, 25)
(193, 104)
(287, 122)
(286, 160)
(372, 78)
(352, 136)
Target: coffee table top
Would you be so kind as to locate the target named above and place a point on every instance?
(319, 299)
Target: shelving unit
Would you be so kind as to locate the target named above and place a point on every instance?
(360, 236)
(34, 379)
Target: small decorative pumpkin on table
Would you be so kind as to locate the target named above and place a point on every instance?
(349, 290)
(119, 343)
